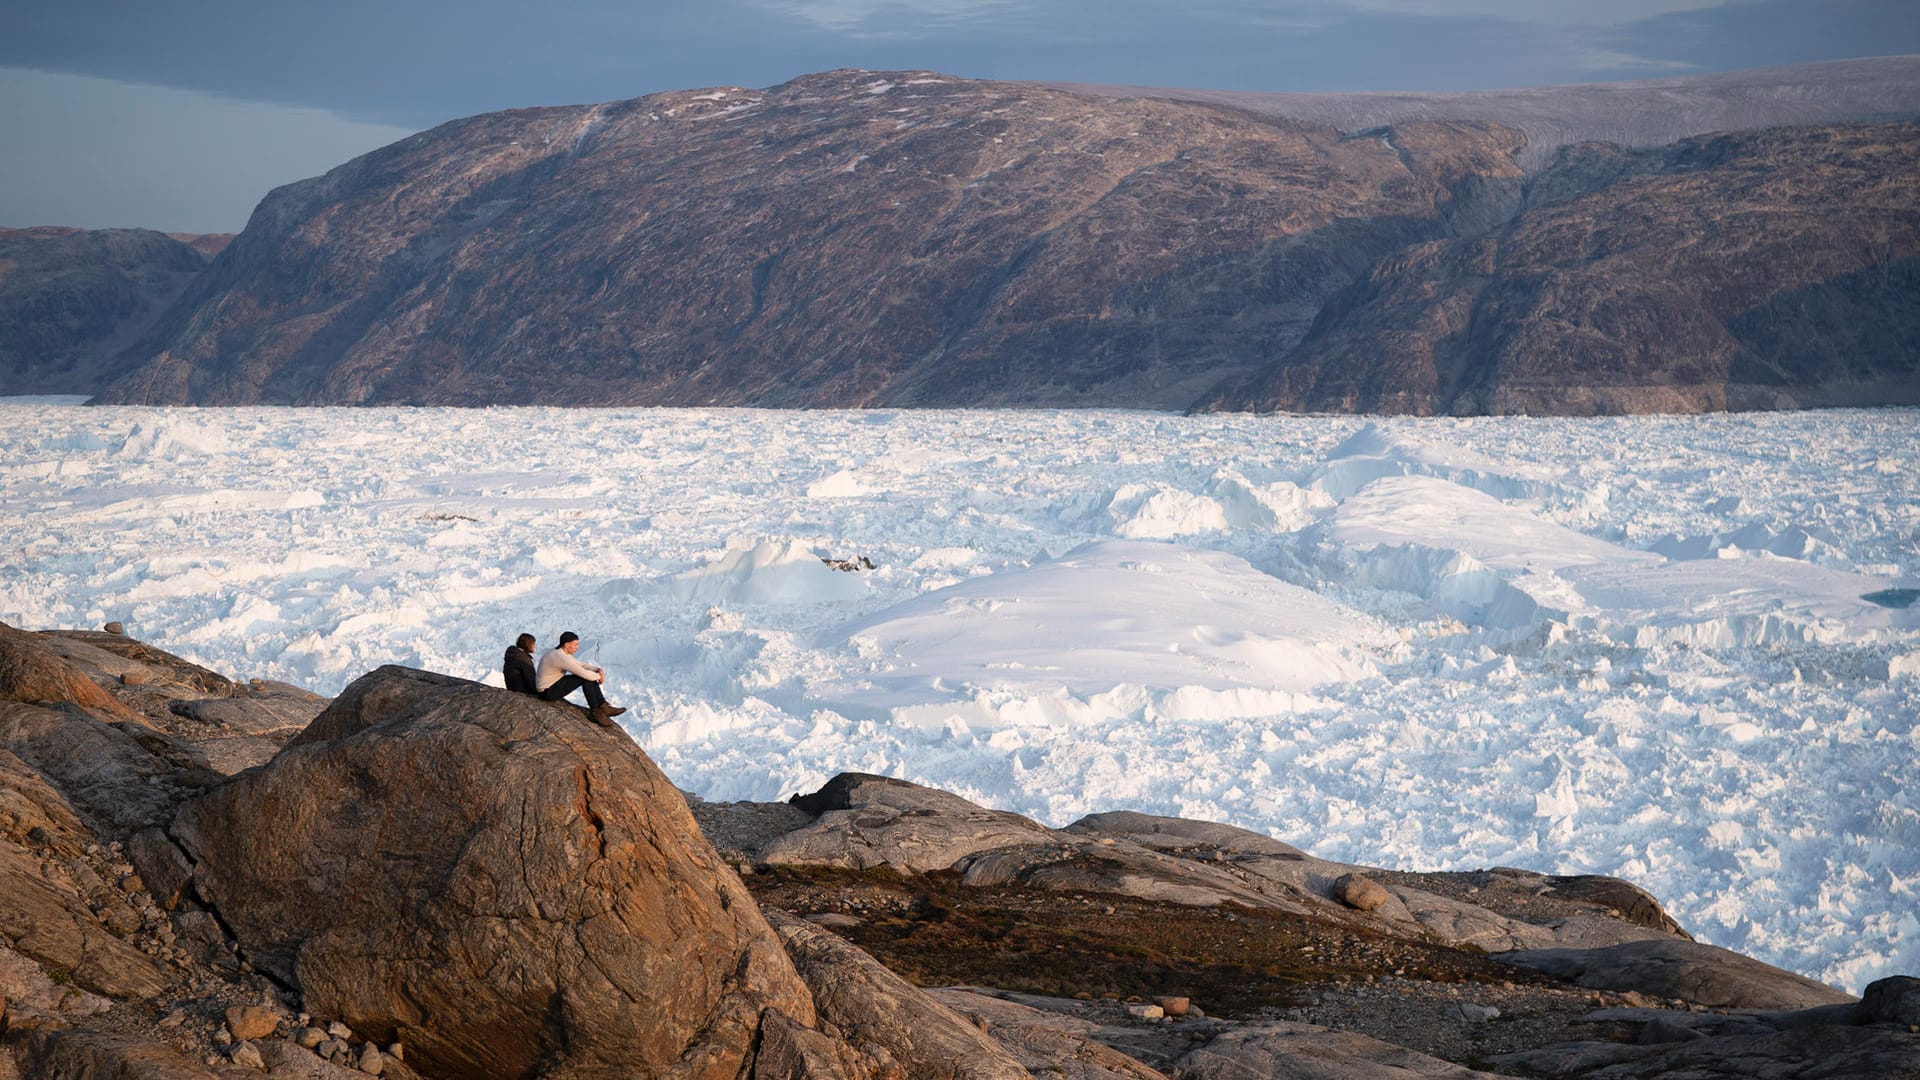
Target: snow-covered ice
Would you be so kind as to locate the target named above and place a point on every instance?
(1673, 649)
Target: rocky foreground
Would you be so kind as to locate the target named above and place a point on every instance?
(427, 876)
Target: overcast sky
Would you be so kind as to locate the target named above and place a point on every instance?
(181, 115)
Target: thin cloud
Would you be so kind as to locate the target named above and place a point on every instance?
(1550, 12)
(892, 17)
(1614, 62)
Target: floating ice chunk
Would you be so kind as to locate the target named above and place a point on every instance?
(1734, 602)
(945, 558)
(169, 441)
(1455, 583)
(770, 572)
(1376, 451)
(1792, 542)
(1440, 514)
(844, 484)
(1108, 614)
(1280, 506)
(1161, 512)
(1558, 801)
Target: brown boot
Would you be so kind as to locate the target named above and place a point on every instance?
(600, 714)
(614, 710)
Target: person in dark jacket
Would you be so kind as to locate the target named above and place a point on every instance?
(517, 666)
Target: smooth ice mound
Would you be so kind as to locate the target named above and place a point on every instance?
(1440, 514)
(1497, 566)
(1111, 628)
(1735, 602)
(1377, 451)
(769, 572)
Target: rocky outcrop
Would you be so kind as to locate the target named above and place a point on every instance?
(492, 882)
(70, 299)
(1685, 970)
(1306, 1051)
(910, 239)
(1045, 1042)
(435, 878)
(898, 1029)
(866, 821)
(94, 1055)
(1826, 1042)
(863, 821)
(32, 672)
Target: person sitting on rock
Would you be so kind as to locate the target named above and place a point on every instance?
(517, 666)
(561, 674)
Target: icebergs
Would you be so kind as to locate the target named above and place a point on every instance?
(1378, 450)
(1500, 567)
(1110, 628)
(1429, 512)
(1471, 642)
(769, 572)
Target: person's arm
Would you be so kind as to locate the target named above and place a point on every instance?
(581, 668)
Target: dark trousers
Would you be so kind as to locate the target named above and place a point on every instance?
(568, 684)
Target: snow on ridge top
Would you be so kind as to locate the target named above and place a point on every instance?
(1203, 627)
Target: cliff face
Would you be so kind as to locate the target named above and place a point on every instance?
(70, 299)
(908, 239)
(1764, 270)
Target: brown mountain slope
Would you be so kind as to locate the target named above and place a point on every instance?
(1764, 270)
(909, 239)
(71, 298)
(845, 239)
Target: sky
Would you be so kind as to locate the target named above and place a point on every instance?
(181, 116)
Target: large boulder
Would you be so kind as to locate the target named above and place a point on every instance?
(33, 673)
(492, 881)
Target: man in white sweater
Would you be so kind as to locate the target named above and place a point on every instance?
(561, 674)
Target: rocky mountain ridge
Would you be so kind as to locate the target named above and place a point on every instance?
(861, 239)
(427, 876)
(1635, 114)
(72, 299)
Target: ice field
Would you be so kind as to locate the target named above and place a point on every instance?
(1683, 650)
